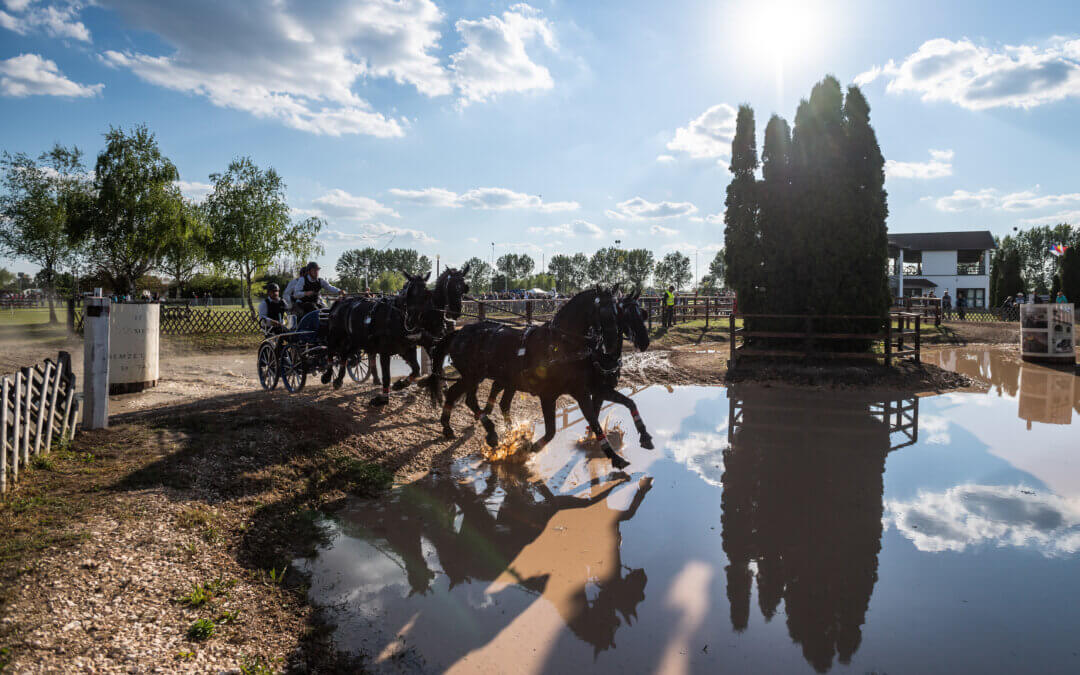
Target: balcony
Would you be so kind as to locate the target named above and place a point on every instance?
(970, 269)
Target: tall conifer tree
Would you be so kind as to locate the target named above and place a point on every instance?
(743, 254)
(777, 219)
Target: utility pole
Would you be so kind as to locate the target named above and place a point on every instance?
(436, 265)
(492, 267)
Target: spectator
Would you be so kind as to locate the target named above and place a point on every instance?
(669, 307)
(946, 304)
(1019, 298)
(961, 303)
(1061, 298)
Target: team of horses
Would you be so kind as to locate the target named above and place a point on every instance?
(578, 353)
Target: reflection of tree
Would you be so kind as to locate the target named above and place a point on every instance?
(479, 527)
(802, 503)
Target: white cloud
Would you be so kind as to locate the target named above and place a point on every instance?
(571, 229)
(662, 231)
(618, 232)
(688, 247)
(32, 75)
(494, 59)
(1001, 516)
(702, 452)
(939, 166)
(196, 191)
(709, 135)
(340, 204)
(59, 19)
(639, 208)
(962, 200)
(376, 231)
(978, 78)
(1054, 218)
(486, 198)
(665, 159)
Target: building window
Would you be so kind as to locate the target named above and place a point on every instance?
(970, 261)
(973, 297)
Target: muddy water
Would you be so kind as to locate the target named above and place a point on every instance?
(768, 532)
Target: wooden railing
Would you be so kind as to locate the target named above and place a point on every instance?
(38, 407)
(895, 342)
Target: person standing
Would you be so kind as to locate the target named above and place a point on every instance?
(961, 303)
(1061, 299)
(669, 307)
(946, 304)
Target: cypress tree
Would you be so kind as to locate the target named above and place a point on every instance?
(1011, 281)
(742, 241)
(996, 261)
(864, 284)
(1070, 274)
(782, 264)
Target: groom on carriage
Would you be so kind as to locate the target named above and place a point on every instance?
(302, 293)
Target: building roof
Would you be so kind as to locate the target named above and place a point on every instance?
(943, 241)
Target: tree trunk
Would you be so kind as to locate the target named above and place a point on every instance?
(247, 280)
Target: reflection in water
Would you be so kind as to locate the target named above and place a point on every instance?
(802, 510)
(1047, 395)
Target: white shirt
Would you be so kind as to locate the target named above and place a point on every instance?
(296, 286)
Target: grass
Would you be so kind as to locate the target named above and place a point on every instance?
(257, 665)
(201, 630)
(364, 478)
(201, 594)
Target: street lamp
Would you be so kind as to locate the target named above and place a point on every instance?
(492, 267)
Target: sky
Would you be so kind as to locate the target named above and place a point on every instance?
(553, 127)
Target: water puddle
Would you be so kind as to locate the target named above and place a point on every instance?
(770, 531)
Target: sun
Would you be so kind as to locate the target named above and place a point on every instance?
(780, 34)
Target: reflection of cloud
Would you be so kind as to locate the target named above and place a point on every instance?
(968, 515)
(935, 429)
(702, 452)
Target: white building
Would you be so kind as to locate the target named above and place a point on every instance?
(936, 262)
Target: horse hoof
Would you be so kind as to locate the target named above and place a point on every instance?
(493, 439)
(400, 384)
(646, 442)
(326, 377)
(379, 401)
(337, 384)
(618, 462)
(447, 432)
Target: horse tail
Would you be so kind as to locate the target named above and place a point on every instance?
(434, 380)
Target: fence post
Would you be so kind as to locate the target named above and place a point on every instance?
(706, 312)
(528, 312)
(69, 403)
(888, 341)
(96, 362)
(918, 339)
(16, 431)
(481, 312)
(58, 375)
(649, 311)
(731, 341)
(28, 383)
(5, 390)
(46, 377)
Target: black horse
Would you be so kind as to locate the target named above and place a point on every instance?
(379, 326)
(545, 360)
(604, 369)
(351, 331)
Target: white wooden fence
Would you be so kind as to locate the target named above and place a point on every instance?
(37, 408)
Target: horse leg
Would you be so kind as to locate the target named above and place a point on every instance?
(414, 370)
(452, 395)
(342, 367)
(374, 371)
(493, 393)
(547, 405)
(644, 439)
(504, 407)
(589, 411)
(491, 436)
(384, 397)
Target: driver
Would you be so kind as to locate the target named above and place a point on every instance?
(272, 310)
(302, 293)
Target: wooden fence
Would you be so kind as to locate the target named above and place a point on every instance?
(185, 320)
(37, 407)
(895, 342)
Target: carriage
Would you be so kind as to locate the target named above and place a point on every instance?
(288, 357)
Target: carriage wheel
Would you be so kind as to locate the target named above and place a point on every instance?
(357, 368)
(293, 373)
(268, 366)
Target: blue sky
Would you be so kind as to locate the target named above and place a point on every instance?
(553, 127)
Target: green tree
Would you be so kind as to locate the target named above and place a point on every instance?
(743, 255)
(36, 211)
(608, 266)
(639, 267)
(562, 268)
(1012, 282)
(404, 260)
(514, 267)
(6, 277)
(479, 276)
(673, 270)
(1069, 274)
(356, 268)
(390, 281)
(250, 217)
(716, 271)
(135, 209)
(186, 251)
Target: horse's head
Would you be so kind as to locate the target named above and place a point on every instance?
(450, 288)
(632, 318)
(415, 294)
(603, 319)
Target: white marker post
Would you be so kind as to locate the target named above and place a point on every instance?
(96, 363)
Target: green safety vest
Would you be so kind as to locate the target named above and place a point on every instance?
(669, 298)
